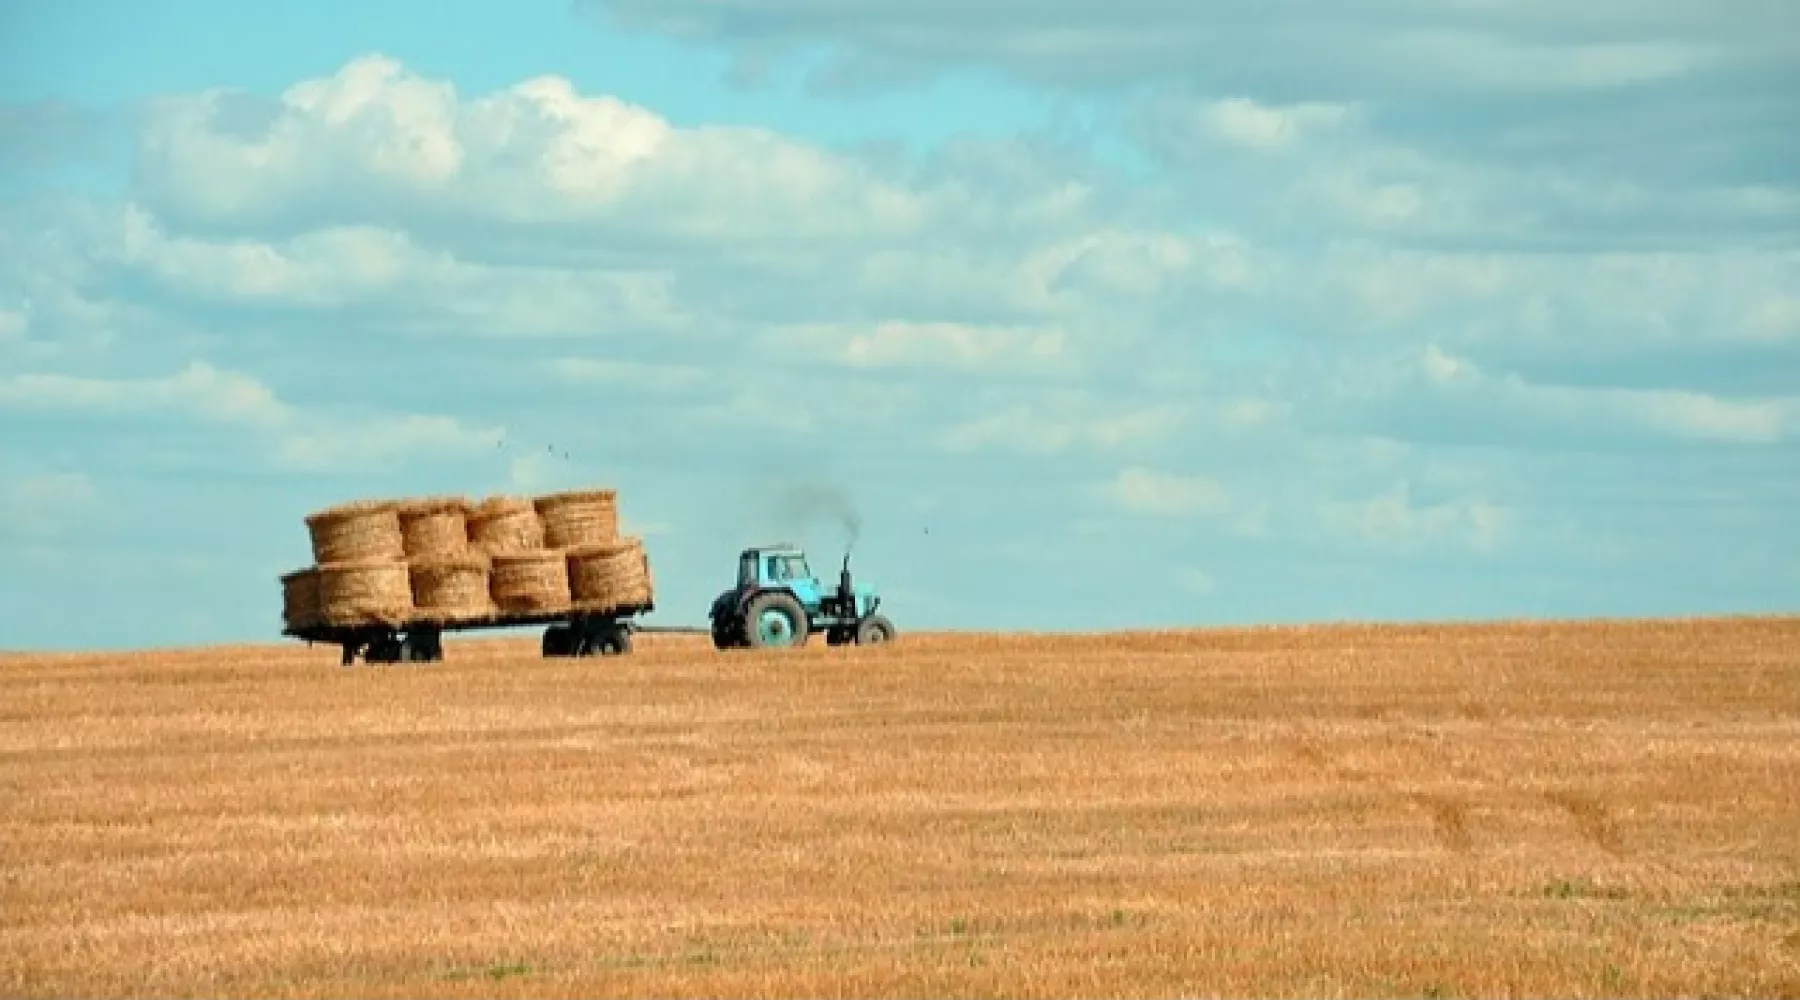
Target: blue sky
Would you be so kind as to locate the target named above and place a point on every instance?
(1142, 314)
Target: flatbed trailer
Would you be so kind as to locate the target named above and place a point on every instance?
(566, 633)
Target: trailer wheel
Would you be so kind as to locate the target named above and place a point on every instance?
(387, 649)
(615, 641)
(422, 646)
(559, 640)
(597, 638)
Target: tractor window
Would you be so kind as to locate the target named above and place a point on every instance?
(747, 571)
(797, 569)
(777, 568)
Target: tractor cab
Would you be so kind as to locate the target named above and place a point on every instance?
(778, 601)
(780, 568)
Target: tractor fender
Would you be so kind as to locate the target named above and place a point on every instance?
(725, 605)
(752, 593)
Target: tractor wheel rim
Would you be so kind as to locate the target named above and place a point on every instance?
(774, 626)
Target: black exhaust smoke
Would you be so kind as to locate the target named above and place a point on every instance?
(806, 503)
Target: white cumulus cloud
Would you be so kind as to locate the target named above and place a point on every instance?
(1393, 519)
(376, 140)
(1145, 491)
(326, 444)
(14, 325)
(47, 505)
(1058, 425)
(298, 439)
(1244, 122)
(923, 345)
(198, 390)
(617, 374)
(1674, 413)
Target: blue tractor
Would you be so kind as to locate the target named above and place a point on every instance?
(778, 602)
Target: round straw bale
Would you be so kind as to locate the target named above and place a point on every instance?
(356, 532)
(530, 582)
(579, 517)
(417, 505)
(451, 589)
(300, 598)
(367, 592)
(501, 525)
(609, 576)
(435, 527)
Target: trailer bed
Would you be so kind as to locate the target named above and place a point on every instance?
(569, 632)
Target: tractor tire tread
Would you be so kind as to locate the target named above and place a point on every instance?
(753, 611)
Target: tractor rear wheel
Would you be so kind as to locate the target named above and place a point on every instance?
(774, 620)
(874, 631)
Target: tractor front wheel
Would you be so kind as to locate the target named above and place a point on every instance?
(874, 630)
(774, 620)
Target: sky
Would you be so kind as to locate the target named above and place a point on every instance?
(1155, 313)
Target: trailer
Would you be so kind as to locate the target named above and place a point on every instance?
(566, 633)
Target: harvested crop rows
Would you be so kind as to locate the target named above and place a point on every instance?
(1555, 809)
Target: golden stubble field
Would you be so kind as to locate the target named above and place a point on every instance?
(1552, 810)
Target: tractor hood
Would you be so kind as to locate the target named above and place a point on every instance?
(866, 598)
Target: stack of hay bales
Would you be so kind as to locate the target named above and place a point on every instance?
(606, 571)
(606, 576)
(577, 518)
(526, 579)
(447, 560)
(505, 525)
(300, 606)
(448, 575)
(359, 561)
